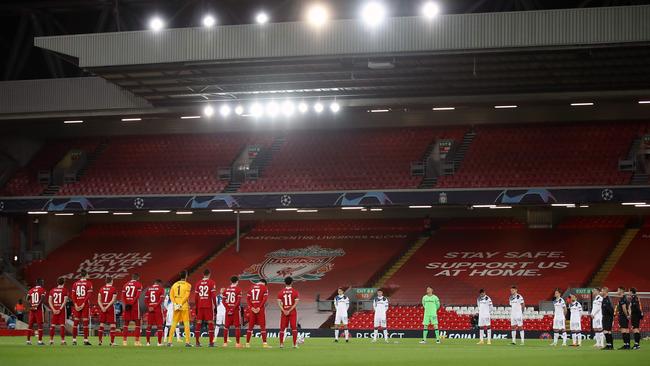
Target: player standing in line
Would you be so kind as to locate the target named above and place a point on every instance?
(516, 314)
(559, 318)
(380, 305)
(153, 299)
(484, 304)
(35, 299)
(232, 302)
(597, 318)
(81, 291)
(575, 323)
(256, 299)
(179, 295)
(431, 304)
(131, 299)
(106, 298)
(221, 313)
(636, 312)
(288, 299)
(204, 300)
(608, 319)
(623, 311)
(341, 305)
(57, 298)
(169, 317)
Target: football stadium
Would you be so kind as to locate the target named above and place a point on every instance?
(324, 182)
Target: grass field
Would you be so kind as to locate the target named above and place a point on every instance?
(322, 351)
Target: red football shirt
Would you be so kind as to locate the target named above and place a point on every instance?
(205, 294)
(131, 292)
(257, 295)
(36, 297)
(107, 292)
(58, 295)
(232, 299)
(154, 296)
(288, 297)
(81, 291)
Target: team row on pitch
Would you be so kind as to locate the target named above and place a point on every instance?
(164, 311)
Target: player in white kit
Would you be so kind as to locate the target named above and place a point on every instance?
(341, 305)
(559, 318)
(484, 304)
(575, 321)
(597, 318)
(221, 313)
(168, 305)
(380, 305)
(516, 314)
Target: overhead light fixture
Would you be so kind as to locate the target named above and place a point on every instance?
(583, 206)
(644, 102)
(632, 203)
(317, 15)
(222, 210)
(483, 206)
(286, 209)
(581, 104)
(156, 24)
(567, 205)
(224, 111)
(303, 107)
(318, 107)
(133, 119)
(351, 208)
(288, 108)
(373, 13)
(376, 209)
(159, 211)
(208, 111)
(444, 108)
(380, 110)
(307, 211)
(73, 121)
(37, 212)
(256, 110)
(184, 212)
(641, 205)
(98, 212)
(335, 107)
(245, 211)
(239, 110)
(122, 213)
(209, 21)
(507, 106)
(420, 206)
(262, 18)
(64, 214)
(430, 10)
(500, 207)
(190, 117)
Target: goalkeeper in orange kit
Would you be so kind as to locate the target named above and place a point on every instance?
(179, 295)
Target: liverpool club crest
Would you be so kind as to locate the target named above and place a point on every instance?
(303, 264)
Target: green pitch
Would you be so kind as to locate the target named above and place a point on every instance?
(324, 352)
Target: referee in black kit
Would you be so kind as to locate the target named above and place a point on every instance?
(636, 312)
(623, 311)
(608, 319)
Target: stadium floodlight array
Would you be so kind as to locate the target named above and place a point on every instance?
(317, 15)
(430, 10)
(373, 13)
(262, 18)
(209, 21)
(156, 24)
(271, 109)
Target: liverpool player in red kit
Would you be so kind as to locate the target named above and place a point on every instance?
(287, 301)
(82, 289)
(256, 298)
(106, 298)
(130, 296)
(56, 299)
(35, 299)
(232, 301)
(153, 298)
(205, 295)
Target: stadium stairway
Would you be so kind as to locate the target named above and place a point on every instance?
(10, 289)
(459, 156)
(394, 267)
(613, 257)
(227, 244)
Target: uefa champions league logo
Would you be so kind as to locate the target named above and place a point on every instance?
(2, 205)
(303, 264)
(138, 203)
(285, 200)
(607, 194)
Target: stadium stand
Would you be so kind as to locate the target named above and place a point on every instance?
(536, 260)
(348, 159)
(631, 270)
(364, 247)
(560, 155)
(163, 164)
(119, 249)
